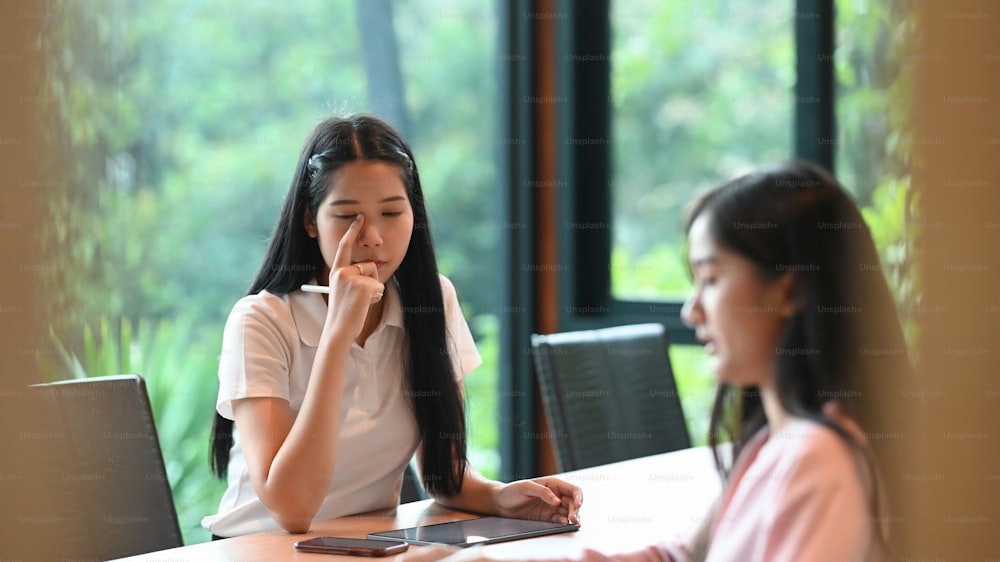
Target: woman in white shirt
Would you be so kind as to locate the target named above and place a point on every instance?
(331, 394)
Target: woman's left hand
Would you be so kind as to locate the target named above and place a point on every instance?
(540, 499)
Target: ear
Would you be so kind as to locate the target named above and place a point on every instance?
(786, 291)
(310, 224)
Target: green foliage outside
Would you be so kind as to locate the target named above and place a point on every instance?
(700, 92)
(874, 70)
(482, 397)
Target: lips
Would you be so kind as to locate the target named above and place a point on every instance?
(708, 342)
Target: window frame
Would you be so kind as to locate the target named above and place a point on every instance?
(517, 397)
(587, 167)
(584, 173)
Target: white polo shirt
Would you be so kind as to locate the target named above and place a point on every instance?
(268, 349)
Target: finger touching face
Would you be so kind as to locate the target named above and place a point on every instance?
(365, 218)
(346, 244)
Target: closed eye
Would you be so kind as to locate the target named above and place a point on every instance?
(703, 270)
(704, 278)
(346, 217)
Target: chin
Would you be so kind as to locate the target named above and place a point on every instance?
(723, 373)
(721, 378)
(732, 378)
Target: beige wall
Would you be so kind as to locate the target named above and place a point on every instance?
(21, 188)
(22, 179)
(951, 480)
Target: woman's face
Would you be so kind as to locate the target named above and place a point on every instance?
(374, 189)
(735, 314)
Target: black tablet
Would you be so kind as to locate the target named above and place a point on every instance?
(484, 530)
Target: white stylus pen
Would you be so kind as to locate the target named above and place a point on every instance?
(316, 289)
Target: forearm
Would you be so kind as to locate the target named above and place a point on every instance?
(300, 471)
(478, 494)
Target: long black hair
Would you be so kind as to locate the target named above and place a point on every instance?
(294, 258)
(844, 341)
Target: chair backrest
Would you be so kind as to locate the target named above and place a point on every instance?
(104, 456)
(609, 394)
(413, 489)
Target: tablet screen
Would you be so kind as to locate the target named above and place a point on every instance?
(484, 530)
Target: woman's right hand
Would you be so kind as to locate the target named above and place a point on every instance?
(354, 287)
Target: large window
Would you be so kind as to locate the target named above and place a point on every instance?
(700, 92)
(184, 121)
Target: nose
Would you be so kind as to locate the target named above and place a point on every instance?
(691, 313)
(370, 235)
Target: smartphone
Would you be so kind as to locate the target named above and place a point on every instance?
(354, 547)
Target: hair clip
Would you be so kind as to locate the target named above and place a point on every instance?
(315, 166)
(314, 162)
(406, 157)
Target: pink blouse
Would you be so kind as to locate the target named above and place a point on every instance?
(797, 495)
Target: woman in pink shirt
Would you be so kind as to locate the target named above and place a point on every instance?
(791, 305)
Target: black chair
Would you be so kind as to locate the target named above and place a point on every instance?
(609, 394)
(413, 489)
(99, 457)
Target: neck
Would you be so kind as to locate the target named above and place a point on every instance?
(776, 414)
(371, 321)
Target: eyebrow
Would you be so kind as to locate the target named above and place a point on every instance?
(354, 202)
(701, 262)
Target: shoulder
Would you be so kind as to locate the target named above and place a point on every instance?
(447, 288)
(814, 440)
(261, 303)
(813, 454)
(449, 295)
(462, 345)
(815, 503)
(808, 439)
(263, 308)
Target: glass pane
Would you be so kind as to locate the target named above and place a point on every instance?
(447, 52)
(874, 61)
(184, 122)
(696, 387)
(701, 92)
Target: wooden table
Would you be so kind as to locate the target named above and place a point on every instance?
(626, 505)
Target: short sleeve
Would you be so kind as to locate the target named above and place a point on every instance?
(255, 354)
(461, 347)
